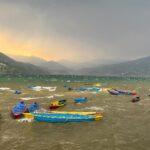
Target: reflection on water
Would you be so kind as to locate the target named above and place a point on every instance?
(125, 124)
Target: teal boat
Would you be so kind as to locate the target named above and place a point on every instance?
(62, 118)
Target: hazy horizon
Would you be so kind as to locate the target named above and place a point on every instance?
(77, 31)
(19, 57)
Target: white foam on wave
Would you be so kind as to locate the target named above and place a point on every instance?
(39, 88)
(94, 108)
(68, 145)
(51, 89)
(67, 142)
(94, 92)
(50, 96)
(58, 95)
(4, 88)
(25, 120)
(31, 98)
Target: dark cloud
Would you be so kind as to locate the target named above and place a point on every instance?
(97, 28)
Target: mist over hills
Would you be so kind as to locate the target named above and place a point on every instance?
(51, 66)
(66, 64)
(139, 67)
(32, 59)
(89, 63)
(10, 66)
(39, 67)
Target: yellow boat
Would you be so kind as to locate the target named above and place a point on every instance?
(76, 112)
(57, 104)
(97, 114)
(98, 117)
(28, 115)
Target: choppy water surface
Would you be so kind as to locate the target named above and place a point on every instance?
(125, 125)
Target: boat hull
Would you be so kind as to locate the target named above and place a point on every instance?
(76, 112)
(18, 110)
(126, 92)
(112, 92)
(63, 118)
(119, 92)
(28, 115)
(33, 107)
(80, 100)
(57, 104)
(16, 116)
(97, 115)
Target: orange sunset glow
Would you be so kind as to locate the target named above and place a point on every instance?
(32, 47)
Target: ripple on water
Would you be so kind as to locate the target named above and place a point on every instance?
(6, 138)
(66, 146)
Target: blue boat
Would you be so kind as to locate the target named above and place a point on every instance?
(62, 118)
(124, 92)
(19, 109)
(92, 89)
(33, 107)
(18, 92)
(121, 92)
(113, 92)
(80, 99)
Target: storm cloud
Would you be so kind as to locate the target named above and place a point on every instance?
(80, 29)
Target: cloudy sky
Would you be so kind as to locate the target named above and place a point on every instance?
(77, 30)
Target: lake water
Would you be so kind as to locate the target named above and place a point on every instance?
(125, 125)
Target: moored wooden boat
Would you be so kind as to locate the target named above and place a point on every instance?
(33, 107)
(80, 99)
(57, 104)
(18, 110)
(121, 92)
(31, 116)
(126, 92)
(62, 118)
(76, 112)
(91, 89)
(113, 92)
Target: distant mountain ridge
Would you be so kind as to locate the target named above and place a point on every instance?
(51, 66)
(55, 67)
(65, 64)
(138, 67)
(10, 66)
(89, 63)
